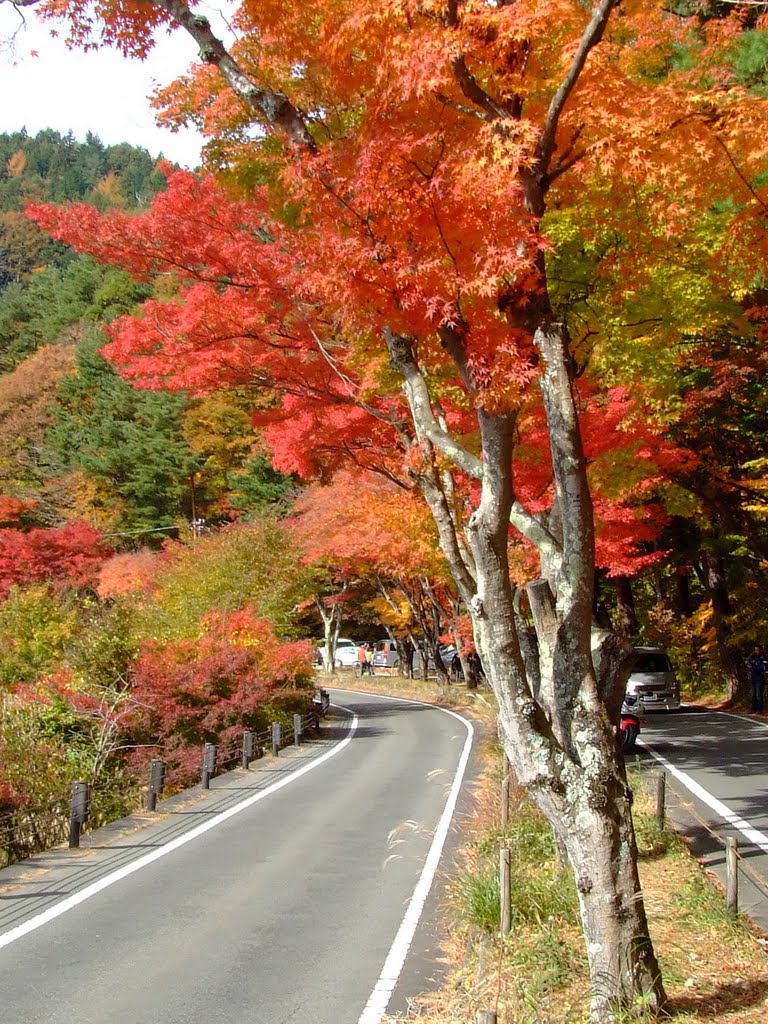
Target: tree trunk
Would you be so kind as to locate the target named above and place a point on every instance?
(730, 661)
(683, 603)
(331, 619)
(625, 607)
(558, 723)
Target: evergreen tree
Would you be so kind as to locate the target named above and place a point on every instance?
(130, 441)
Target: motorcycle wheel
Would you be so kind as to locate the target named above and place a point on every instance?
(629, 737)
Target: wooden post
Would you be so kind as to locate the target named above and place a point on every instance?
(661, 796)
(731, 876)
(505, 787)
(486, 1017)
(505, 893)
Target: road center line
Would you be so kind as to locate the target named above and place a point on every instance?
(103, 883)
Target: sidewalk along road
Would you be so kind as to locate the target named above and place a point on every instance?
(717, 774)
(288, 893)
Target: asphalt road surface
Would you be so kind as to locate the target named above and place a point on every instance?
(717, 780)
(290, 894)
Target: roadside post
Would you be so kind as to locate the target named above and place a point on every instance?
(156, 782)
(661, 791)
(210, 756)
(247, 755)
(78, 812)
(731, 875)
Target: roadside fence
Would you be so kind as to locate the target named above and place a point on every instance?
(33, 830)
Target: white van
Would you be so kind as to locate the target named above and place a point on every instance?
(653, 680)
(346, 653)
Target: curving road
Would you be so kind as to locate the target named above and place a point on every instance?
(717, 775)
(289, 894)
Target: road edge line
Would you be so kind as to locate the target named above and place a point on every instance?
(128, 869)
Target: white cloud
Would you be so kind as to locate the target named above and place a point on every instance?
(99, 92)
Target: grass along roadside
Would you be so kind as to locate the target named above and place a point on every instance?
(715, 966)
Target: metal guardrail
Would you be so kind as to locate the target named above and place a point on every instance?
(32, 830)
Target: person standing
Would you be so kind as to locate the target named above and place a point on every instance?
(757, 664)
(369, 658)
(362, 659)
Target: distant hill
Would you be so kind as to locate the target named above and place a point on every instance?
(50, 167)
(76, 439)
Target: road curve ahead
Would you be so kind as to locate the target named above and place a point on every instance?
(289, 897)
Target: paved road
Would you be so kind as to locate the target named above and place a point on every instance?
(717, 769)
(276, 898)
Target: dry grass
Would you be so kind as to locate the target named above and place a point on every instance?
(715, 967)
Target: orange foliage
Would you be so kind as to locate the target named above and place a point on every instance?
(427, 176)
(127, 573)
(362, 523)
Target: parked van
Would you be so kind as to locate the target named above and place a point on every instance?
(387, 655)
(653, 680)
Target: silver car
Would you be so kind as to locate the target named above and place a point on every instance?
(653, 680)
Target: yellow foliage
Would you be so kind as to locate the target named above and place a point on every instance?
(16, 164)
(109, 188)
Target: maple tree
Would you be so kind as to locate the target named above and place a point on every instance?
(26, 395)
(212, 687)
(389, 541)
(70, 555)
(422, 178)
(250, 564)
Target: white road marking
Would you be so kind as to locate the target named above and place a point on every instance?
(80, 897)
(741, 824)
(393, 965)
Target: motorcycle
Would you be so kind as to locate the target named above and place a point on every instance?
(631, 717)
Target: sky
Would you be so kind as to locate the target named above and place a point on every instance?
(98, 92)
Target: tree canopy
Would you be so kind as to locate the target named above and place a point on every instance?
(442, 235)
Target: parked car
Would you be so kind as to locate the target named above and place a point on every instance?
(387, 655)
(346, 653)
(653, 680)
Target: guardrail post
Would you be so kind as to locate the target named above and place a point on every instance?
(731, 876)
(247, 748)
(276, 738)
(156, 782)
(210, 755)
(661, 791)
(78, 812)
(297, 729)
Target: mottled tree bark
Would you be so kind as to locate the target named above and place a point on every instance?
(558, 706)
